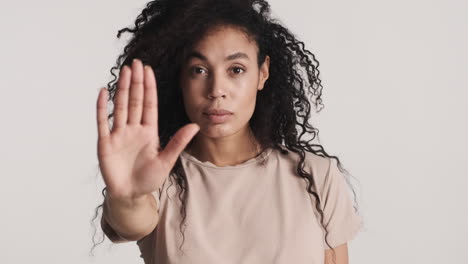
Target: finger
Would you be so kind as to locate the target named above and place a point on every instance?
(178, 143)
(150, 102)
(135, 103)
(102, 120)
(121, 98)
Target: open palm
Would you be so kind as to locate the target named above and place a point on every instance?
(130, 158)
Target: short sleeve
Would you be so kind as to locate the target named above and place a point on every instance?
(340, 217)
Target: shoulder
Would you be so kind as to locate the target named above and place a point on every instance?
(318, 164)
(320, 167)
(313, 163)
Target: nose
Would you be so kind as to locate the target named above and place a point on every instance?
(217, 87)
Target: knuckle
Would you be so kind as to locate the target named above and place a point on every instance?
(136, 81)
(134, 102)
(177, 142)
(149, 104)
(119, 107)
(121, 87)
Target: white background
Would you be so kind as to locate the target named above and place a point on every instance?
(395, 95)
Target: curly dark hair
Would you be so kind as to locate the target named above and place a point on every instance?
(165, 31)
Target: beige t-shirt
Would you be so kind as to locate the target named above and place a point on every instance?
(252, 213)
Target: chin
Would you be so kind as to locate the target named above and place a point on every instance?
(216, 130)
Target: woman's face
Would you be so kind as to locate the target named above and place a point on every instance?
(221, 72)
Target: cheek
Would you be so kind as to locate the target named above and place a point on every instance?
(247, 92)
(194, 103)
(246, 103)
(193, 88)
(190, 101)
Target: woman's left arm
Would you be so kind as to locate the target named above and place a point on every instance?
(341, 255)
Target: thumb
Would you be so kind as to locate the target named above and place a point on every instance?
(178, 143)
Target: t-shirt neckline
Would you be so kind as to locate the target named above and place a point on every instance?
(208, 164)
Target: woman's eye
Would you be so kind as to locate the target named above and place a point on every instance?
(237, 70)
(197, 70)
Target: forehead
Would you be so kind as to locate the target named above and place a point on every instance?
(224, 42)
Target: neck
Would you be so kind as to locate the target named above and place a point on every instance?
(225, 151)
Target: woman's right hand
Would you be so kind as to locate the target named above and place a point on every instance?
(131, 161)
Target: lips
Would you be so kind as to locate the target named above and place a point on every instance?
(217, 111)
(218, 119)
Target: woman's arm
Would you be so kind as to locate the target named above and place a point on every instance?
(341, 253)
(110, 232)
(129, 219)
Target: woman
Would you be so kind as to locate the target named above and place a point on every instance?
(203, 162)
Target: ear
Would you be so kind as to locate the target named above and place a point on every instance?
(264, 73)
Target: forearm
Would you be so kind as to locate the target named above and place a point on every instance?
(130, 218)
(341, 256)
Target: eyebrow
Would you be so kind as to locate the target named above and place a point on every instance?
(237, 55)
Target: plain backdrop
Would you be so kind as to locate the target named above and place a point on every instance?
(395, 92)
